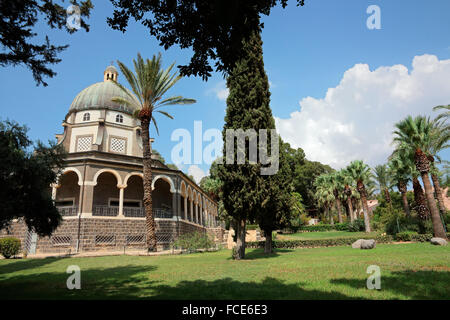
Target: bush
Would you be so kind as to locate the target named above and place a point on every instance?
(252, 227)
(356, 226)
(405, 235)
(9, 247)
(193, 241)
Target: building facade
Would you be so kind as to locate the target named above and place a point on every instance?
(100, 191)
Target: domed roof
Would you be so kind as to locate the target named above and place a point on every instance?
(99, 95)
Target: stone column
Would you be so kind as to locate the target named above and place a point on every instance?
(179, 205)
(54, 190)
(191, 210)
(86, 198)
(185, 208)
(174, 204)
(121, 192)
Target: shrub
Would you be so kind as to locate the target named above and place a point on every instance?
(9, 247)
(252, 227)
(193, 241)
(405, 235)
(356, 226)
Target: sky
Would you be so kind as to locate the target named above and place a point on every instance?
(337, 87)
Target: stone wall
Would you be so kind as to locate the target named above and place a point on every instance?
(103, 234)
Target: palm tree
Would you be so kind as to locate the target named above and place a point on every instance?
(382, 177)
(348, 192)
(443, 116)
(417, 134)
(149, 84)
(324, 194)
(400, 175)
(336, 182)
(360, 172)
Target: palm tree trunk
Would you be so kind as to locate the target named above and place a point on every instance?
(268, 243)
(402, 188)
(366, 212)
(438, 191)
(147, 168)
(438, 228)
(339, 209)
(240, 240)
(350, 208)
(419, 198)
(329, 215)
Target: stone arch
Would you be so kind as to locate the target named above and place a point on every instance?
(69, 169)
(183, 187)
(114, 172)
(128, 176)
(167, 179)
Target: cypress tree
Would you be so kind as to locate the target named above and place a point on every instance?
(246, 193)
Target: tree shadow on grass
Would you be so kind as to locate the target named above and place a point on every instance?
(14, 265)
(427, 284)
(96, 283)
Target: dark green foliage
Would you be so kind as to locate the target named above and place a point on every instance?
(405, 235)
(398, 222)
(292, 244)
(17, 21)
(304, 176)
(25, 178)
(9, 247)
(357, 225)
(214, 30)
(194, 241)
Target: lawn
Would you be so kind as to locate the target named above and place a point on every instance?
(408, 271)
(324, 235)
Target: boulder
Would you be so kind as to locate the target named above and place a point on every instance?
(438, 241)
(364, 244)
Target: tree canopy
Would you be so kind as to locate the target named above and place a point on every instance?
(17, 22)
(27, 175)
(213, 29)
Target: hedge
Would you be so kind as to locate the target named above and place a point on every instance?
(292, 244)
(9, 247)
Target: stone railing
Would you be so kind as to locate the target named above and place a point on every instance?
(105, 211)
(69, 211)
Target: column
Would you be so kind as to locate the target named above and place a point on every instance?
(86, 199)
(174, 204)
(201, 215)
(185, 209)
(54, 190)
(191, 210)
(121, 191)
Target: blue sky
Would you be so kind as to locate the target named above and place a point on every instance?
(307, 50)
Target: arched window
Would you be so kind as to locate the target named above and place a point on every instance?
(119, 118)
(87, 116)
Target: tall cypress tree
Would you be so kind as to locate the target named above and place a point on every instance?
(244, 189)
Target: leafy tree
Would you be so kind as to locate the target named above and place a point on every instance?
(214, 30)
(149, 84)
(248, 107)
(304, 177)
(25, 178)
(349, 192)
(17, 22)
(400, 173)
(360, 172)
(417, 134)
(324, 195)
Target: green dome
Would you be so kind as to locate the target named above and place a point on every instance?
(98, 96)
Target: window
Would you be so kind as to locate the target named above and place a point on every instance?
(84, 143)
(117, 145)
(119, 118)
(87, 116)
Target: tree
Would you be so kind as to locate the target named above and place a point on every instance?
(416, 134)
(149, 84)
(304, 177)
(349, 192)
(247, 108)
(360, 172)
(383, 180)
(25, 178)
(336, 180)
(277, 202)
(17, 21)
(324, 195)
(400, 174)
(443, 116)
(214, 30)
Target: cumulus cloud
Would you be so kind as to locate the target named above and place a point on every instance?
(355, 119)
(196, 172)
(220, 91)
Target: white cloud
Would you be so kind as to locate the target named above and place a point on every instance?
(355, 119)
(196, 172)
(220, 91)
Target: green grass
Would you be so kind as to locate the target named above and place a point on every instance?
(408, 271)
(324, 235)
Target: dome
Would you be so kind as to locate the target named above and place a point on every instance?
(99, 95)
